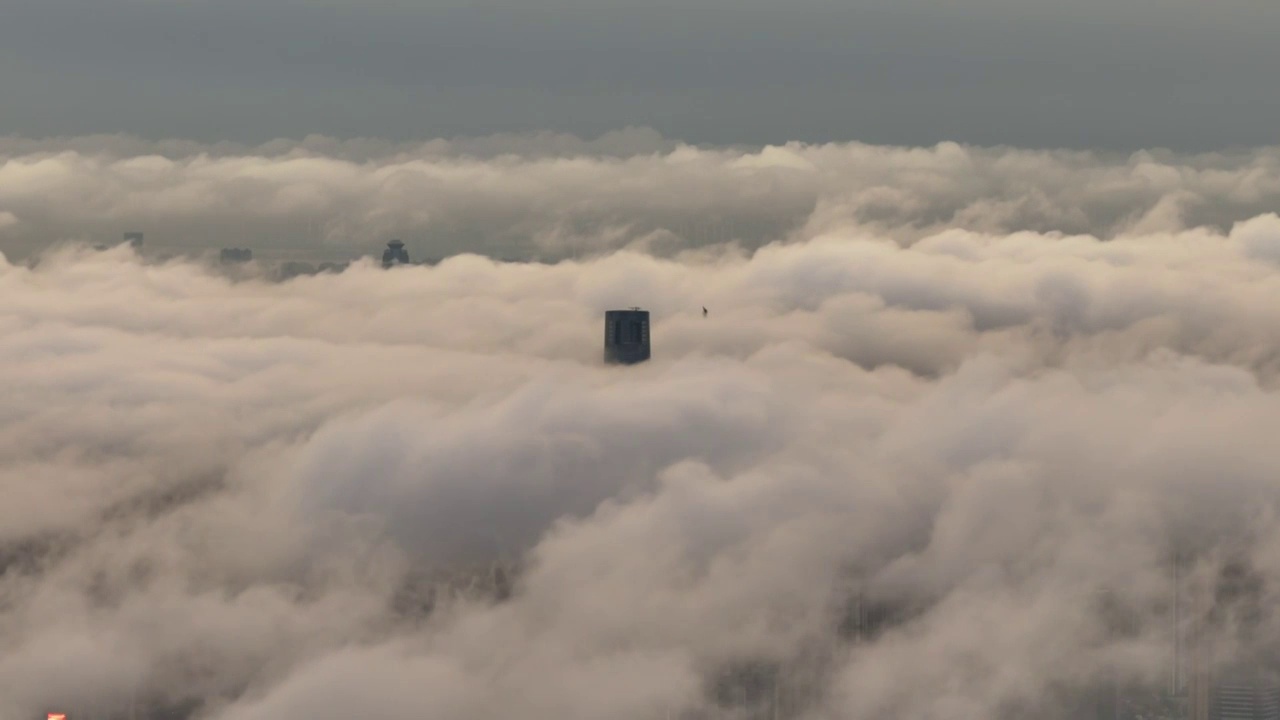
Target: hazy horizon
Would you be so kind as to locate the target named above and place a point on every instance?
(554, 196)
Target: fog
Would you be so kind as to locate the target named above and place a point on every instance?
(552, 196)
(990, 394)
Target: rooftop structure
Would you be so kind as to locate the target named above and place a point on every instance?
(395, 254)
(626, 336)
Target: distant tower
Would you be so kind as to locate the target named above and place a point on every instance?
(134, 239)
(626, 336)
(395, 254)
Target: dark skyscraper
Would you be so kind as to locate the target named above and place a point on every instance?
(626, 336)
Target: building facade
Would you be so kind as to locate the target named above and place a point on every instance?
(626, 336)
(1244, 696)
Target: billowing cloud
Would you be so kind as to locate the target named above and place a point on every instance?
(931, 453)
(553, 196)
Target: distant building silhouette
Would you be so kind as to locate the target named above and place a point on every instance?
(395, 254)
(626, 336)
(1247, 687)
(133, 239)
(864, 620)
(1245, 695)
(230, 256)
(294, 269)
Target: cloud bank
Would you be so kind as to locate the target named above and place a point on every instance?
(553, 196)
(932, 464)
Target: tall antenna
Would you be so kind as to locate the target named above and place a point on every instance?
(1198, 690)
(777, 690)
(1175, 684)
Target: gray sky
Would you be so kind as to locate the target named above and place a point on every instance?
(1120, 75)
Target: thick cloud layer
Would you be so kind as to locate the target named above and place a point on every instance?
(901, 469)
(554, 196)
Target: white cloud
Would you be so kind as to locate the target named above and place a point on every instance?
(218, 493)
(554, 196)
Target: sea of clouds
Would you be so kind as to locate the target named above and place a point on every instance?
(551, 196)
(996, 391)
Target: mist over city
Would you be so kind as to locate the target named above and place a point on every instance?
(916, 459)
(597, 359)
